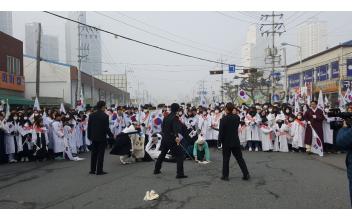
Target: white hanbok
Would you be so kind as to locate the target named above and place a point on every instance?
(298, 131)
(252, 126)
(242, 129)
(58, 137)
(266, 137)
(215, 123)
(281, 138)
(153, 152)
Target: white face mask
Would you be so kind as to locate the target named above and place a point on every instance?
(287, 111)
(216, 111)
(270, 110)
(15, 118)
(25, 118)
(299, 117)
(326, 110)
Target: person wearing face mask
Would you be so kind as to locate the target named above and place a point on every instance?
(265, 133)
(58, 137)
(281, 131)
(252, 121)
(289, 120)
(203, 124)
(297, 131)
(40, 140)
(215, 122)
(11, 138)
(25, 152)
(271, 116)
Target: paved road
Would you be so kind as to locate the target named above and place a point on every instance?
(279, 180)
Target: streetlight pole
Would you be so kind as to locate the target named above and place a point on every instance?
(300, 60)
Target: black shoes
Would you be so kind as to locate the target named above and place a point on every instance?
(246, 177)
(102, 173)
(181, 176)
(157, 172)
(225, 178)
(92, 172)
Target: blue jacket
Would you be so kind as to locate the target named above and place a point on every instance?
(344, 139)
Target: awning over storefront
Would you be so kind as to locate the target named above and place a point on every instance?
(17, 100)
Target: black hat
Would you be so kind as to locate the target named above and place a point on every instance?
(175, 107)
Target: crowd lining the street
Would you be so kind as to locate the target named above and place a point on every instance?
(36, 135)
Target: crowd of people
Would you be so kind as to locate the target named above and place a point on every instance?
(28, 135)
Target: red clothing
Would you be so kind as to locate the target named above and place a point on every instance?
(316, 123)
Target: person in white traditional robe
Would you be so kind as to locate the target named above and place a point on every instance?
(252, 121)
(281, 131)
(58, 137)
(266, 135)
(86, 141)
(242, 128)
(297, 131)
(215, 123)
(203, 124)
(11, 138)
(289, 121)
(153, 146)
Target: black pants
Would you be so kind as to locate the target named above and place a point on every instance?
(97, 156)
(175, 150)
(237, 153)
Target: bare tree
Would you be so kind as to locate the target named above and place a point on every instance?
(256, 82)
(230, 91)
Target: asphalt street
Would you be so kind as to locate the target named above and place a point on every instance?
(278, 180)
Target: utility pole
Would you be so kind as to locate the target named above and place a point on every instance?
(37, 81)
(80, 57)
(222, 81)
(272, 57)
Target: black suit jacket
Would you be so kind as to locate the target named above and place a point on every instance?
(228, 131)
(170, 127)
(98, 126)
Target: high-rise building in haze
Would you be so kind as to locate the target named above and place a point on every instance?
(49, 44)
(253, 50)
(312, 37)
(6, 22)
(90, 45)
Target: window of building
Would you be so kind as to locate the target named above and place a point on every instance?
(13, 65)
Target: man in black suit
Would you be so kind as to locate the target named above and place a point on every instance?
(98, 129)
(170, 129)
(228, 137)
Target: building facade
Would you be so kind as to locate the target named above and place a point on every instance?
(12, 83)
(49, 44)
(6, 22)
(312, 37)
(329, 71)
(117, 80)
(90, 46)
(58, 83)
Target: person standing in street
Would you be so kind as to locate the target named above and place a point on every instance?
(98, 129)
(228, 137)
(171, 128)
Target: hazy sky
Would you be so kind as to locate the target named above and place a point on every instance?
(209, 35)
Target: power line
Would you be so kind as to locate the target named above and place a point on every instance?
(170, 33)
(137, 41)
(154, 34)
(235, 18)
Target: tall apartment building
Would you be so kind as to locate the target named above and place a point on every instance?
(312, 37)
(49, 44)
(90, 44)
(6, 22)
